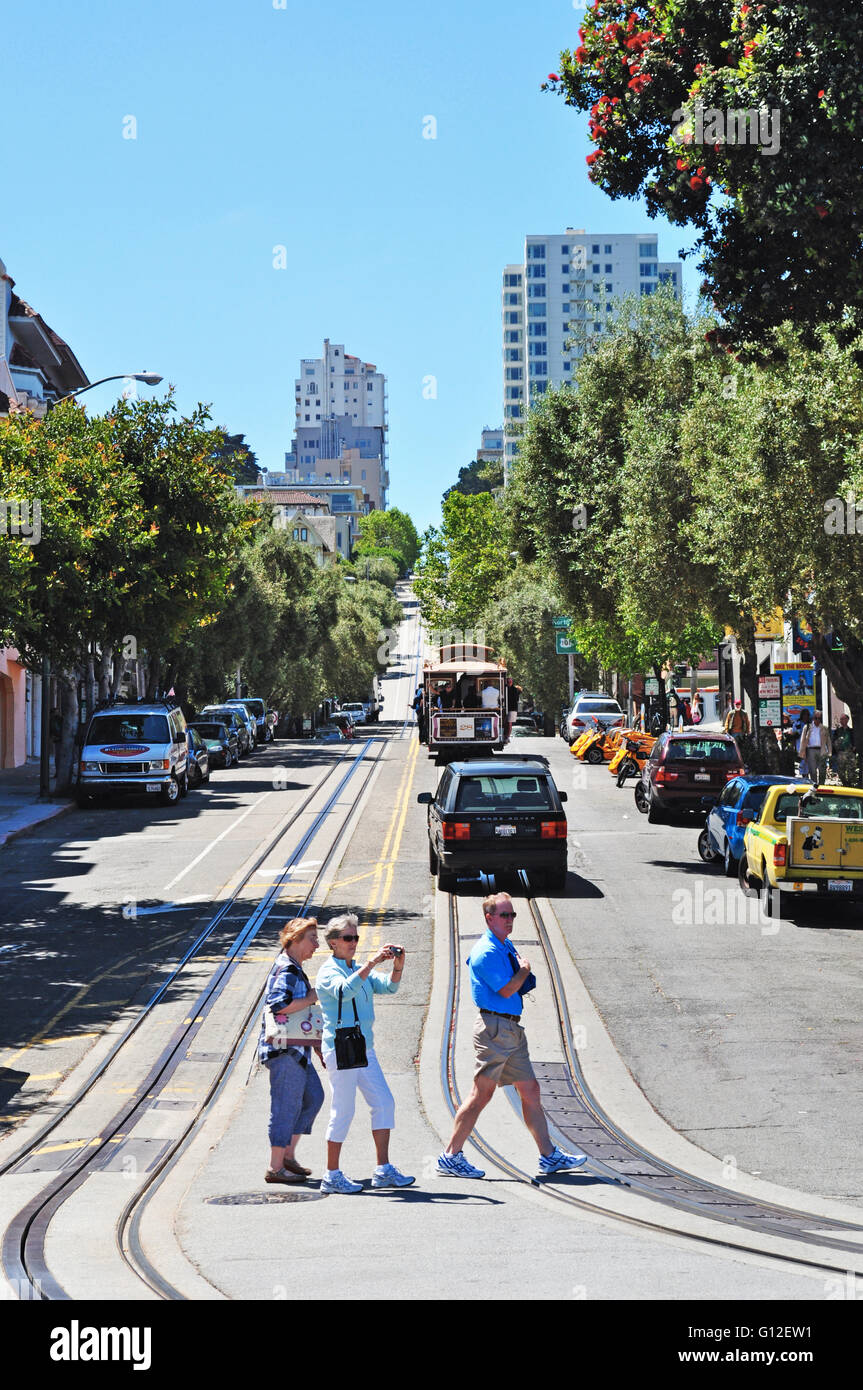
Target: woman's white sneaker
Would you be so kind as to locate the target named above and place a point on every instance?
(385, 1175)
(337, 1182)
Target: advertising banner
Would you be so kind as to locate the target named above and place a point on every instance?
(798, 689)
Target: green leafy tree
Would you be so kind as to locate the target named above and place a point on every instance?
(478, 476)
(463, 565)
(518, 624)
(389, 533)
(236, 458)
(780, 210)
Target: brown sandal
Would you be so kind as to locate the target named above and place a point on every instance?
(292, 1166)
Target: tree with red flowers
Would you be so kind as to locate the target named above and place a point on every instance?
(780, 215)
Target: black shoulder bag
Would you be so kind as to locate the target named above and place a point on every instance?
(350, 1041)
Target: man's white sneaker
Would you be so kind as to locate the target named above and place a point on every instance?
(337, 1182)
(387, 1176)
(560, 1162)
(457, 1166)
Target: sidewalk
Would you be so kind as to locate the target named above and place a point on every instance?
(20, 807)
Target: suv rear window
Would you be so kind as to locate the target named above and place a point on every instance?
(129, 728)
(700, 750)
(505, 793)
(598, 707)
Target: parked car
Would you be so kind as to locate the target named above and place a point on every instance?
(357, 711)
(685, 769)
(234, 719)
(805, 841)
(591, 706)
(198, 764)
(257, 708)
(329, 733)
(493, 814)
(345, 722)
(738, 805)
(221, 743)
(134, 748)
(524, 727)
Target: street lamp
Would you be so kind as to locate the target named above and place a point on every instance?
(150, 379)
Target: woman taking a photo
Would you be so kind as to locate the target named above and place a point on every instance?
(356, 986)
(296, 1094)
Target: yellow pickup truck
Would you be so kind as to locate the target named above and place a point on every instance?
(805, 842)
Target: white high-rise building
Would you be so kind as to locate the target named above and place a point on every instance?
(340, 406)
(559, 300)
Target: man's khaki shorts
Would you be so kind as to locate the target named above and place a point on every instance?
(501, 1050)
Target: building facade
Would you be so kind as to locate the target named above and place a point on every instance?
(560, 300)
(340, 411)
(491, 448)
(36, 368)
(336, 504)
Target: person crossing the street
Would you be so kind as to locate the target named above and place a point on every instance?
(497, 974)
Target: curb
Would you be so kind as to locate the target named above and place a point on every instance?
(22, 829)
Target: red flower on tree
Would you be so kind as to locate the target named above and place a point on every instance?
(553, 77)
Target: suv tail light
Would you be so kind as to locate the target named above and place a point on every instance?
(663, 775)
(780, 855)
(578, 724)
(554, 829)
(456, 830)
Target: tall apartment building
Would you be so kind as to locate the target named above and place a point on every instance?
(560, 300)
(341, 412)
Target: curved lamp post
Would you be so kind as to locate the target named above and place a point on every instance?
(150, 379)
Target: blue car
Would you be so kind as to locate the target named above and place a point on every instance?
(740, 803)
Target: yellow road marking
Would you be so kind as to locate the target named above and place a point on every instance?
(44, 1075)
(402, 804)
(354, 878)
(77, 1144)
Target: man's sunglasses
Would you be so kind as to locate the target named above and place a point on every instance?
(349, 938)
(505, 914)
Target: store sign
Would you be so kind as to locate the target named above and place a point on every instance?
(798, 688)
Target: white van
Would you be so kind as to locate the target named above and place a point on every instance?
(134, 748)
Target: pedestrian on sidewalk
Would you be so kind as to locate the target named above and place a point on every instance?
(737, 720)
(815, 748)
(340, 980)
(843, 752)
(497, 974)
(296, 1094)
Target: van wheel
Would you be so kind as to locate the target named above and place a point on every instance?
(640, 799)
(170, 793)
(184, 784)
(433, 864)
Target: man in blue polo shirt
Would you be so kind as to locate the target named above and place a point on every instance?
(497, 973)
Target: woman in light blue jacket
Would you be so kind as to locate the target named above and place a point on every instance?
(356, 986)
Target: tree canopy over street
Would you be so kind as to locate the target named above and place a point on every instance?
(742, 120)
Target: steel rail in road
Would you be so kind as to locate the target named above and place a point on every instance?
(23, 1251)
(692, 1195)
(192, 950)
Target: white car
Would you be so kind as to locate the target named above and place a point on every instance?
(590, 710)
(356, 711)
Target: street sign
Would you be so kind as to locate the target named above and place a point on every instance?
(651, 686)
(563, 645)
(561, 622)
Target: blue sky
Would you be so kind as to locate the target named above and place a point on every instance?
(260, 127)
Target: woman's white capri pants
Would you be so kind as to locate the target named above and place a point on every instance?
(344, 1084)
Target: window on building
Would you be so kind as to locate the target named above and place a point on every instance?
(536, 272)
(538, 350)
(565, 308)
(370, 386)
(608, 269)
(594, 250)
(536, 251)
(647, 248)
(647, 289)
(515, 373)
(608, 248)
(609, 287)
(566, 366)
(539, 369)
(339, 539)
(512, 412)
(511, 317)
(537, 330)
(594, 269)
(536, 291)
(564, 250)
(536, 311)
(512, 281)
(513, 354)
(512, 299)
(565, 287)
(648, 269)
(308, 419)
(296, 533)
(310, 371)
(513, 393)
(512, 335)
(336, 353)
(363, 475)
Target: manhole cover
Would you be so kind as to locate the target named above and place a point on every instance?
(263, 1199)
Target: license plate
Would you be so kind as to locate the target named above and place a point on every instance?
(504, 830)
(839, 885)
(154, 787)
(701, 777)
